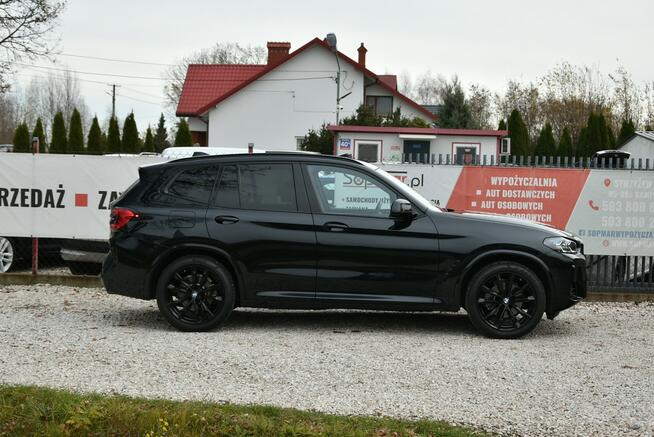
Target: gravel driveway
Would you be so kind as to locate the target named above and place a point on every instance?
(589, 372)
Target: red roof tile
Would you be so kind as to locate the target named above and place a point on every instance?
(206, 83)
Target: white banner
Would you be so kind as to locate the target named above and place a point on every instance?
(62, 196)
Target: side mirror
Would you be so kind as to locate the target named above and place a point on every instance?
(402, 209)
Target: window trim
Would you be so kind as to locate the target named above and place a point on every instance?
(379, 144)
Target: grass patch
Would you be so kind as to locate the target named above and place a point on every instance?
(41, 411)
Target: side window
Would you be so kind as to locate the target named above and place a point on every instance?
(345, 191)
(227, 190)
(268, 187)
(182, 188)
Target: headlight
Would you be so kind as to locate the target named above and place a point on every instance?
(561, 244)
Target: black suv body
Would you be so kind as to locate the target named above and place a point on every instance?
(288, 230)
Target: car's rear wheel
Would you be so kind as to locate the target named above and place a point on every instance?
(7, 254)
(505, 300)
(195, 293)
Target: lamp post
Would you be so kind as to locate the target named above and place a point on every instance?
(331, 42)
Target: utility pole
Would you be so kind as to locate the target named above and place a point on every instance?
(113, 99)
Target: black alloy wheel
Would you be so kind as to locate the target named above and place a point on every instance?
(505, 300)
(195, 293)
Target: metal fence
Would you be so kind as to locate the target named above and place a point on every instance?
(620, 273)
(529, 161)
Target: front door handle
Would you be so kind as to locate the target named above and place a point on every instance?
(335, 226)
(226, 219)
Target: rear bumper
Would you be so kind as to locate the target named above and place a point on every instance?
(124, 280)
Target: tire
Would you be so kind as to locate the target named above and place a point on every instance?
(195, 293)
(84, 269)
(7, 255)
(505, 300)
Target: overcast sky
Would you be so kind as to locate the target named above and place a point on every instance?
(483, 42)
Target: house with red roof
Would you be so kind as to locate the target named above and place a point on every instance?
(274, 105)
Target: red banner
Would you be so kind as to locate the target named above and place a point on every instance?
(539, 194)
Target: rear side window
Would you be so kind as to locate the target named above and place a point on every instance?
(268, 187)
(265, 187)
(182, 188)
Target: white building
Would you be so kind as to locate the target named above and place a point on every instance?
(641, 146)
(395, 144)
(275, 105)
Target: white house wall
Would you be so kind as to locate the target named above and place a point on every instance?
(640, 148)
(392, 146)
(197, 125)
(284, 105)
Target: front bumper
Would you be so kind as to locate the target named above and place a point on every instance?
(568, 282)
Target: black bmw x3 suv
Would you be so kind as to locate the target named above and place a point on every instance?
(291, 230)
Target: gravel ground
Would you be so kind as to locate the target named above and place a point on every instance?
(589, 372)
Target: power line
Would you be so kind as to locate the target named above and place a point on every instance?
(66, 70)
(97, 58)
(164, 79)
(139, 100)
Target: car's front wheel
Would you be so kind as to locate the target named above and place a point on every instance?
(195, 293)
(7, 254)
(505, 300)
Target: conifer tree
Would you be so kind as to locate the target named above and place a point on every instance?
(148, 144)
(456, 111)
(518, 133)
(626, 131)
(22, 143)
(546, 145)
(502, 125)
(131, 142)
(565, 144)
(183, 136)
(40, 133)
(94, 142)
(75, 134)
(161, 136)
(113, 136)
(59, 143)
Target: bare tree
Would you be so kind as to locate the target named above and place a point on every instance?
(9, 117)
(480, 101)
(429, 89)
(25, 26)
(220, 53)
(45, 96)
(626, 97)
(524, 98)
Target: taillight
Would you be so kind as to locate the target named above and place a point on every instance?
(120, 217)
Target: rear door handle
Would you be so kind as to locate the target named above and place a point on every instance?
(226, 219)
(335, 226)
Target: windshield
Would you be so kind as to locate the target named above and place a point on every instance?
(403, 188)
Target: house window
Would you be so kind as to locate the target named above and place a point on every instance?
(368, 150)
(381, 105)
(298, 143)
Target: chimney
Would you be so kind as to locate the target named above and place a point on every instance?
(277, 51)
(362, 55)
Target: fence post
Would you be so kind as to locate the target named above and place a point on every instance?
(35, 240)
